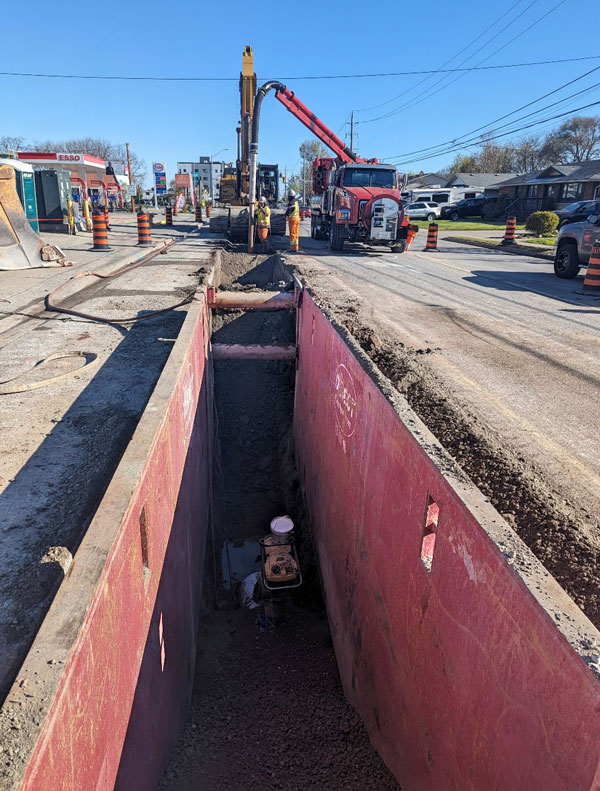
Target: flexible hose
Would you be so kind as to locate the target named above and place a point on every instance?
(6, 388)
(49, 299)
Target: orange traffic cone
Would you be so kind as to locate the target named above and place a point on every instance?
(411, 232)
(592, 275)
(509, 233)
(432, 237)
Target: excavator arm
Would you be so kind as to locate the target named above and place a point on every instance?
(290, 101)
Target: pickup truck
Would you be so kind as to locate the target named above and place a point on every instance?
(574, 245)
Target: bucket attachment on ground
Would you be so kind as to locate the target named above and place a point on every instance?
(20, 246)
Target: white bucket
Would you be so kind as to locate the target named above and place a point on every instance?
(281, 525)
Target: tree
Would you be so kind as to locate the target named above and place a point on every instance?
(462, 163)
(11, 143)
(576, 140)
(301, 182)
(530, 154)
(98, 147)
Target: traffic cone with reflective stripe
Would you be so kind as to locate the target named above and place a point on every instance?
(509, 233)
(168, 215)
(100, 234)
(143, 224)
(432, 237)
(592, 276)
(198, 213)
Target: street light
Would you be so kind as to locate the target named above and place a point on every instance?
(220, 151)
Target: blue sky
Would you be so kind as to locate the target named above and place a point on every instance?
(173, 121)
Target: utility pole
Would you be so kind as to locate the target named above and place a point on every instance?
(352, 131)
(130, 179)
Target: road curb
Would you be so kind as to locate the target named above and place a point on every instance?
(515, 249)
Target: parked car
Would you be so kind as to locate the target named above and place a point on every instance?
(469, 207)
(574, 245)
(578, 211)
(423, 210)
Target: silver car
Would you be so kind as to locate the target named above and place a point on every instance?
(423, 210)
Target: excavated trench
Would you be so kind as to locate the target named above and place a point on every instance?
(268, 711)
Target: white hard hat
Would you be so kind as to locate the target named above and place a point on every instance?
(291, 194)
(262, 199)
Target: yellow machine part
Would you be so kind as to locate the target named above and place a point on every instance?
(20, 246)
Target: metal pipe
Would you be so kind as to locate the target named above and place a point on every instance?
(253, 300)
(260, 95)
(236, 351)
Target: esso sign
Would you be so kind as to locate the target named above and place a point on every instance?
(69, 157)
(158, 166)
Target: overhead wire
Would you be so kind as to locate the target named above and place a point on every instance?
(362, 75)
(454, 140)
(496, 137)
(429, 93)
(445, 63)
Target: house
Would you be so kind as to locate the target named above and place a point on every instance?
(482, 182)
(426, 180)
(553, 187)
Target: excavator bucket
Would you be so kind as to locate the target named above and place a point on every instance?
(20, 246)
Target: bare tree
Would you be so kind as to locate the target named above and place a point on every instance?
(10, 144)
(98, 147)
(575, 140)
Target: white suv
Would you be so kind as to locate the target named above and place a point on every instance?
(423, 210)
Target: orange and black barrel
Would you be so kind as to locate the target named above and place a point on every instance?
(208, 210)
(592, 276)
(198, 213)
(100, 233)
(432, 238)
(168, 215)
(143, 225)
(509, 233)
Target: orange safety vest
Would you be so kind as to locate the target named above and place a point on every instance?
(295, 211)
(264, 216)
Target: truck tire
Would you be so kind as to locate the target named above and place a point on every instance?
(566, 262)
(336, 237)
(400, 246)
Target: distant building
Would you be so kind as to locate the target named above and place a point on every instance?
(205, 174)
(486, 183)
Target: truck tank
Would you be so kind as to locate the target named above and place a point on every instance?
(468, 665)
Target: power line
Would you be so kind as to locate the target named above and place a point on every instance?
(445, 63)
(116, 77)
(513, 112)
(496, 137)
(429, 93)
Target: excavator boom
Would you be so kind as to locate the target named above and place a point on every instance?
(290, 101)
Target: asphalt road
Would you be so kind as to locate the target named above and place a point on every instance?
(515, 344)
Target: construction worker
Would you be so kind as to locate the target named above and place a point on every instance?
(293, 215)
(263, 221)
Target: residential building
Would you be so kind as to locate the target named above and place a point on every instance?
(553, 187)
(486, 183)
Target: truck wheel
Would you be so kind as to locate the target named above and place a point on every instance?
(566, 262)
(336, 238)
(400, 246)
(455, 216)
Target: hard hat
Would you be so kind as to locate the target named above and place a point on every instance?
(291, 194)
(262, 199)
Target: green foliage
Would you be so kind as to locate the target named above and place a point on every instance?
(542, 223)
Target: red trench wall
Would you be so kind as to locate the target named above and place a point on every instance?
(108, 679)
(457, 665)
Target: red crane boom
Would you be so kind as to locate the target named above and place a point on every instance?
(290, 101)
